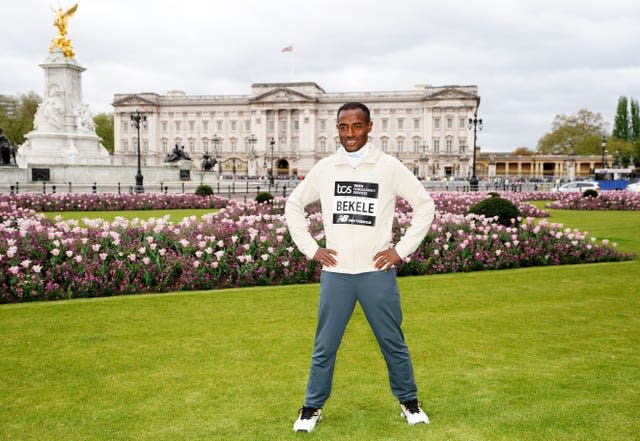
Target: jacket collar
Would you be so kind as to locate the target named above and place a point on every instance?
(369, 158)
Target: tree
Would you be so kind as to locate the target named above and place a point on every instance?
(523, 151)
(621, 122)
(104, 129)
(16, 115)
(635, 122)
(579, 134)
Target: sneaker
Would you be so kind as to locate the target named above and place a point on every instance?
(309, 417)
(411, 411)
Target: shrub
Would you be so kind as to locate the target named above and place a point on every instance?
(204, 190)
(264, 197)
(496, 206)
(494, 194)
(590, 193)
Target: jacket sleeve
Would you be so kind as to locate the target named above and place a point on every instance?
(411, 189)
(305, 193)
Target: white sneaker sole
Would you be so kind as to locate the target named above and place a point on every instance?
(417, 422)
(308, 431)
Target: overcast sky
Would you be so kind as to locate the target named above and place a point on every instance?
(531, 60)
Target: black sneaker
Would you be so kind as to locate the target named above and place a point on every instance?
(411, 411)
(307, 419)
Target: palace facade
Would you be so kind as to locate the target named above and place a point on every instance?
(288, 127)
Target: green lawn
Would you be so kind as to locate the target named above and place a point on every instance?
(175, 216)
(546, 353)
(622, 227)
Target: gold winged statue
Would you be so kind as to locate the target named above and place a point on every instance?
(61, 41)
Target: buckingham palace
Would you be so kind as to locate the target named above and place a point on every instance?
(288, 127)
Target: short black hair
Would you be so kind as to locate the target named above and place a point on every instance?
(354, 105)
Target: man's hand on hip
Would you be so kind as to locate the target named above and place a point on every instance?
(384, 260)
(326, 256)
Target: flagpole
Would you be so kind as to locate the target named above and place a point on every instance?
(289, 50)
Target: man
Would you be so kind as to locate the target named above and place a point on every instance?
(357, 188)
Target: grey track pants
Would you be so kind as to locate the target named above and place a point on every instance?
(378, 295)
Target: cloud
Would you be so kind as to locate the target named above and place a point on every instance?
(531, 60)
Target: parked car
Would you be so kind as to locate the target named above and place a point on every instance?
(578, 186)
(634, 187)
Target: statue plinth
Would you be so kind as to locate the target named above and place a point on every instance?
(64, 132)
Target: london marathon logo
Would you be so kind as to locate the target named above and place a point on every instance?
(355, 203)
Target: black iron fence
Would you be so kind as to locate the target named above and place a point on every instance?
(246, 188)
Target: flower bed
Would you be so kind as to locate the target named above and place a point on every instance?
(244, 245)
(111, 201)
(606, 200)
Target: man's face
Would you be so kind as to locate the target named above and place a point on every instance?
(353, 129)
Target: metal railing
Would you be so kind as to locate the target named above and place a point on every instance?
(241, 188)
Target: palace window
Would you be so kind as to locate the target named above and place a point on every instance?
(165, 145)
(296, 125)
(234, 146)
(233, 126)
(436, 146)
(400, 123)
(205, 126)
(272, 125)
(323, 124)
(416, 123)
(164, 127)
(247, 125)
(436, 123)
(449, 123)
(416, 146)
(192, 145)
(125, 145)
(178, 126)
(449, 145)
(400, 145)
(384, 144)
(192, 126)
(323, 145)
(462, 123)
(385, 123)
(219, 124)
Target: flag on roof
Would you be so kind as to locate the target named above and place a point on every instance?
(288, 48)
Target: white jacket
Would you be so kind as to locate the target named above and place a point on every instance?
(358, 209)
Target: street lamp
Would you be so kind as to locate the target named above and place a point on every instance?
(216, 145)
(136, 119)
(476, 124)
(271, 177)
(604, 146)
(252, 152)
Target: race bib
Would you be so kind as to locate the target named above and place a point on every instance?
(355, 203)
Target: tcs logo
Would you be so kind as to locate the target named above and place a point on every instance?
(344, 189)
